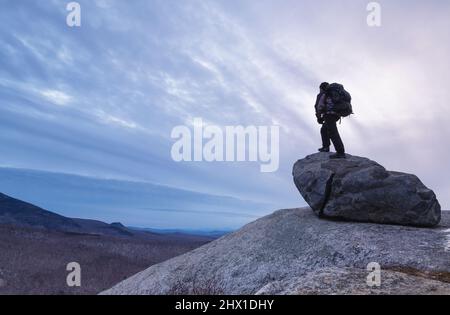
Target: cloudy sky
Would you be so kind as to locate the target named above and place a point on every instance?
(101, 100)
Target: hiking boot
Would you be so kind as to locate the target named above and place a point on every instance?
(324, 150)
(338, 156)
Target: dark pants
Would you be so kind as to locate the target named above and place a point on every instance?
(329, 132)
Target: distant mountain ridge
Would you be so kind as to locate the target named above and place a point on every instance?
(18, 213)
(137, 204)
(211, 233)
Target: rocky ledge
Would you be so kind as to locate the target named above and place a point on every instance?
(295, 252)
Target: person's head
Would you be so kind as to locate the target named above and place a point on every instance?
(324, 86)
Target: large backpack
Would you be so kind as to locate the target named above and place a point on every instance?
(342, 100)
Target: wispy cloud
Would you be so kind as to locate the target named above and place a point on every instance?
(56, 97)
(134, 71)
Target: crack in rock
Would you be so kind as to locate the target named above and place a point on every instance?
(328, 188)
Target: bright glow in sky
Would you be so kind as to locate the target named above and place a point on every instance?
(101, 100)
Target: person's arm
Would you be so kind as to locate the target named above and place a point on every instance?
(316, 105)
(320, 107)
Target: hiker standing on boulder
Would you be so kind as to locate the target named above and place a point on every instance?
(332, 103)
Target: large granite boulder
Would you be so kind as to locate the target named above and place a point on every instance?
(359, 189)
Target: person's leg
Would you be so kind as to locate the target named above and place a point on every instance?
(333, 133)
(325, 136)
